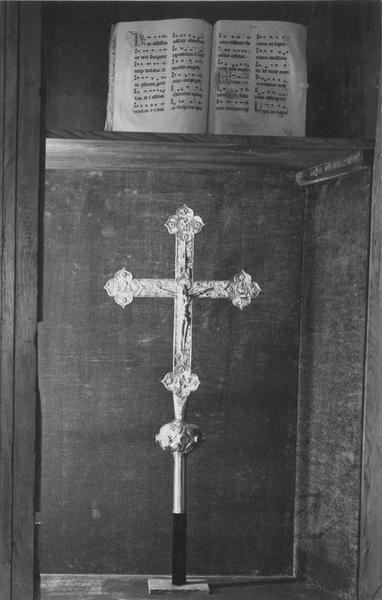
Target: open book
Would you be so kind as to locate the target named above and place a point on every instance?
(187, 76)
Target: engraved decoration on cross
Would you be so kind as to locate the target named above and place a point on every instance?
(124, 287)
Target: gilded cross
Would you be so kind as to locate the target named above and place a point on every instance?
(179, 437)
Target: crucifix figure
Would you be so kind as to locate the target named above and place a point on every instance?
(179, 437)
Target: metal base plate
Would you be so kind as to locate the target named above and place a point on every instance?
(165, 586)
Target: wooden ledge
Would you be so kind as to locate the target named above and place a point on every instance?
(134, 587)
(141, 151)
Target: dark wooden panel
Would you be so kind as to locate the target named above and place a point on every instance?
(331, 385)
(20, 172)
(107, 488)
(194, 153)
(25, 365)
(76, 36)
(343, 56)
(8, 83)
(370, 583)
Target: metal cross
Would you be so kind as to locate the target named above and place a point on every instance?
(179, 437)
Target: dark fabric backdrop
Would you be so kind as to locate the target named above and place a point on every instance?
(106, 487)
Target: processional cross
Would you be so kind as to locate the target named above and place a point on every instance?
(179, 437)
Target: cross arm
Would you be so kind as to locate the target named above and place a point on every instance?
(156, 288)
(241, 289)
(123, 287)
(210, 289)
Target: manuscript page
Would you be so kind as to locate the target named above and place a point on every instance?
(258, 78)
(159, 76)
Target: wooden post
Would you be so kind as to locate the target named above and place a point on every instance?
(370, 566)
(20, 39)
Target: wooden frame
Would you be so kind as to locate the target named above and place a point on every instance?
(20, 41)
(370, 560)
(117, 151)
(20, 144)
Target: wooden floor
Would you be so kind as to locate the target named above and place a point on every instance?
(125, 587)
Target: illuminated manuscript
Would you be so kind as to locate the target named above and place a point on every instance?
(187, 76)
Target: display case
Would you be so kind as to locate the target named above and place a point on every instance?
(283, 497)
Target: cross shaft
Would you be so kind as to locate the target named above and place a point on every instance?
(178, 437)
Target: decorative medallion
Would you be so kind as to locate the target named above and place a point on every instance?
(184, 224)
(123, 287)
(181, 381)
(243, 289)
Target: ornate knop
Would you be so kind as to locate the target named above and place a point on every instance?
(181, 381)
(184, 224)
(179, 436)
(123, 287)
(243, 289)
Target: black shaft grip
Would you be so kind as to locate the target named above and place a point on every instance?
(179, 549)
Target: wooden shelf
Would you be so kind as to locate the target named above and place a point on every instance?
(121, 151)
(134, 587)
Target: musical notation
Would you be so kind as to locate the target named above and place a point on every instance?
(187, 56)
(272, 74)
(149, 72)
(269, 78)
(232, 73)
